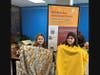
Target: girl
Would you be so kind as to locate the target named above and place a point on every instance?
(40, 41)
(36, 59)
(71, 58)
(82, 42)
(81, 39)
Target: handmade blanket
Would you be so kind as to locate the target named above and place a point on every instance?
(35, 60)
(71, 60)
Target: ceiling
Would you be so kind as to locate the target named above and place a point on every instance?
(24, 3)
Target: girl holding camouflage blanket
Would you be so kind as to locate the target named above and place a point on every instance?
(36, 59)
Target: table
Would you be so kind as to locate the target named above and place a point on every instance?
(13, 60)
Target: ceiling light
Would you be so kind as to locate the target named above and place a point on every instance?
(71, 2)
(37, 1)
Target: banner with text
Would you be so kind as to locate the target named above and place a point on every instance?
(61, 20)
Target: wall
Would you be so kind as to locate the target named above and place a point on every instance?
(15, 20)
(84, 20)
(34, 21)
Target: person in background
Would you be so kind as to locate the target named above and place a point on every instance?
(14, 49)
(18, 37)
(85, 45)
(71, 58)
(24, 37)
(81, 39)
(82, 42)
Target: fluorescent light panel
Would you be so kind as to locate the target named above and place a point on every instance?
(37, 1)
(71, 2)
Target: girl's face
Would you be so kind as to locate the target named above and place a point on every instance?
(40, 40)
(70, 40)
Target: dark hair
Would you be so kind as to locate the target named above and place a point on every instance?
(14, 43)
(24, 37)
(36, 44)
(81, 39)
(74, 36)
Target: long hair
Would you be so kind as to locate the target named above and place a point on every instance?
(74, 36)
(36, 44)
(81, 39)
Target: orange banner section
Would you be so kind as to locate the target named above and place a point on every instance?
(63, 15)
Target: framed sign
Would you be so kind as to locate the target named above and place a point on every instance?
(61, 20)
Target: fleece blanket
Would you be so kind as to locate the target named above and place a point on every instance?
(71, 60)
(35, 60)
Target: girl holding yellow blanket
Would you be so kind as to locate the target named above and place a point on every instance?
(71, 58)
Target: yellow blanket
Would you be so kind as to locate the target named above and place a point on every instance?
(71, 60)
